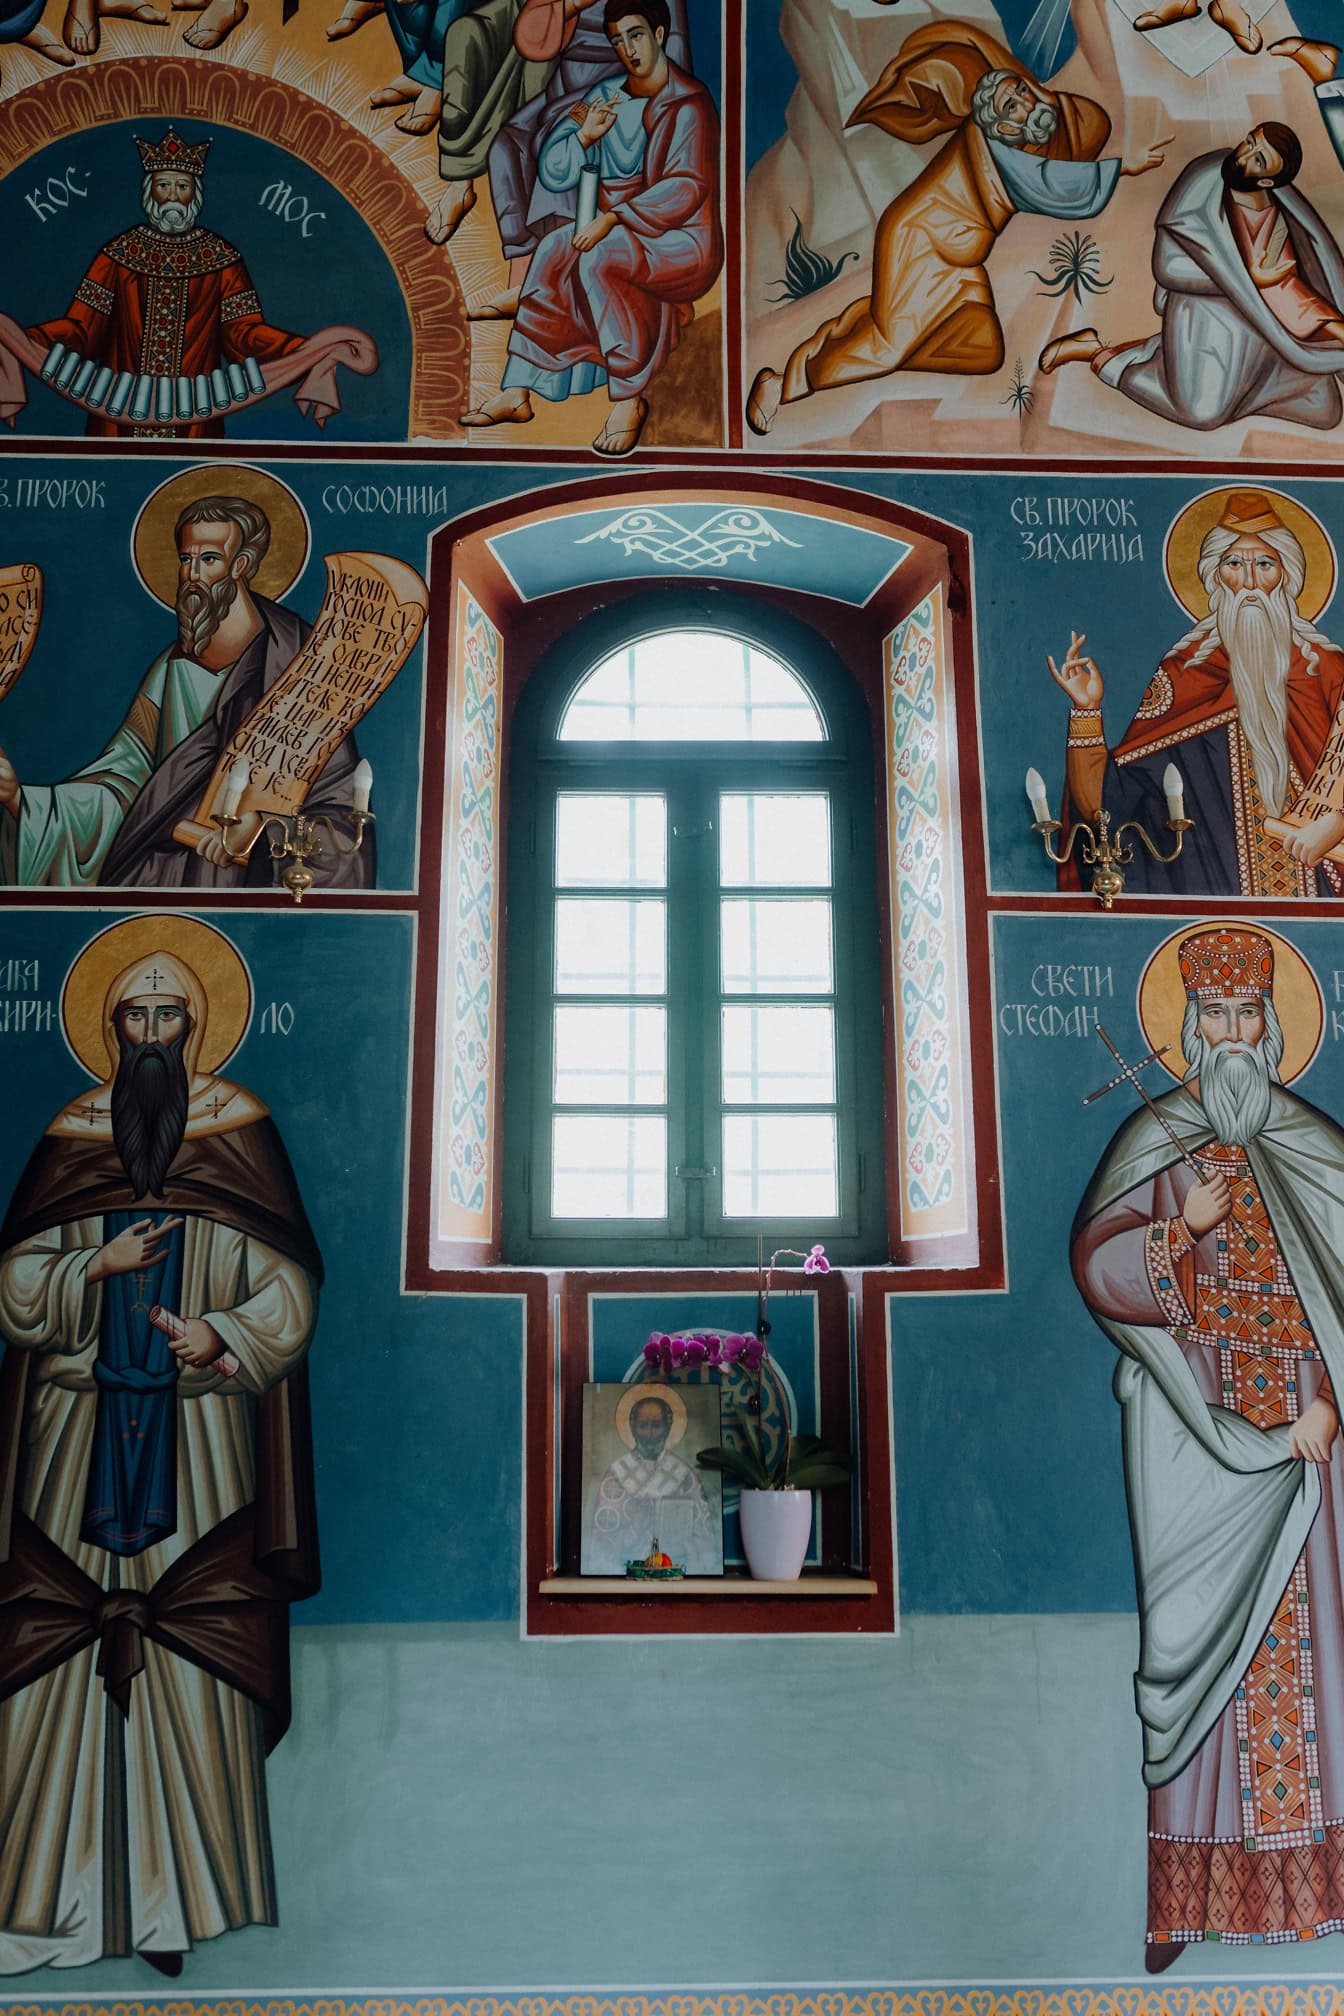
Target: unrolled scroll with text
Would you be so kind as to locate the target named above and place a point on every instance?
(20, 615)
(369, 623)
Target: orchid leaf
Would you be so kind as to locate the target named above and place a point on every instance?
(813, 1474)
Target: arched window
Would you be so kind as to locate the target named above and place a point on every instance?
(693, 1056)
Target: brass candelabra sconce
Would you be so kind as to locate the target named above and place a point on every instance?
(1108, 854)
(295, 837)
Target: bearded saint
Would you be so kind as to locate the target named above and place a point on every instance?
(167, 298)
(112, 822)
(1244, 703)
(1015, 147)
(1217, 1271)
(156, 1498)
(1250, 288)
(649, 1495)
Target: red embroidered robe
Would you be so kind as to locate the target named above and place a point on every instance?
(166, 306)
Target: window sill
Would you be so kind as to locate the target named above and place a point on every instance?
(735, 1583)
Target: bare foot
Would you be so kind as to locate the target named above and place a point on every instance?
(133, 10)
(625, 424)
(767, 389)
(217, 22)
(46, 44)
(1080, 346)
(457, 201)
(401, 91)
(79, 30)
(423, 116)
(1232, 18)
(352, 16)
(1162, 17)
(499, 308)
(505, 406)
(1318, 59)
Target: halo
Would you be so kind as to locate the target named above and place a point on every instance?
(212, 957)
(1191, 526)
(1297, 997)
(631, 1399)
(153, 546)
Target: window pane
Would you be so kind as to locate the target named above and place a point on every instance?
(610, 842)
(772, 839)
(611, 1056)
(779, 1165)
(782, 947)
(606, 946)
(606, 1167)
(691, 686)
(772, 1055)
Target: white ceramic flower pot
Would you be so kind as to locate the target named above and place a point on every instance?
(776, 1527)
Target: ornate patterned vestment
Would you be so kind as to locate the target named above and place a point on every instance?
(166, 305)
(1247, 1843)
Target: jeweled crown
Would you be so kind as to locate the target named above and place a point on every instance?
(172, 152)
(1215, 964)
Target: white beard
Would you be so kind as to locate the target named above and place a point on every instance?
(1256, 631)
(1234, 1090)
(173, 218)
(1034, 131)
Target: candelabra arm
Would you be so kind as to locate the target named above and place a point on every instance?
(1180, 827)
(1047, 828)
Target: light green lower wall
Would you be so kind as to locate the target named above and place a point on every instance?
(454, 1808)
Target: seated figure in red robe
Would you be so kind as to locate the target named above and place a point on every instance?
(605, 300)
(167, 299)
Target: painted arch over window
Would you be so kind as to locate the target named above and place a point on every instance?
(590, 566)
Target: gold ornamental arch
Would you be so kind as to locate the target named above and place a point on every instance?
(68, 105)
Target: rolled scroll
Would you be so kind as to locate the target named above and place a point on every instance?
(369, 623)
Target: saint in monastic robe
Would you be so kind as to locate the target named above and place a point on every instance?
(1228, 1335)
(156, 1517)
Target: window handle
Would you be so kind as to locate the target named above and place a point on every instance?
(692, 832)
(689, 1175)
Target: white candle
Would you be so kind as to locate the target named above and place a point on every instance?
(239, 777)
(1040, 803)
(363, 784)
(1174, 787)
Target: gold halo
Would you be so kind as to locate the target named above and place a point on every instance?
(631, 1399)
(215, 960)
(1297, 997)
(154, 550)
(1192, 526)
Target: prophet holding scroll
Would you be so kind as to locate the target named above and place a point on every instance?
(112, 822)
(156, 1494)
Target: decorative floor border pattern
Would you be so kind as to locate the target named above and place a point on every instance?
(1319, 1998)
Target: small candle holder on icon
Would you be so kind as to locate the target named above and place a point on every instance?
(295, 837)
(1108, 854)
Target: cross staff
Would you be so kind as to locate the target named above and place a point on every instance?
(1129, 1075)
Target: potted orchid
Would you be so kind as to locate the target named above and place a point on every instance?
(776, 1488)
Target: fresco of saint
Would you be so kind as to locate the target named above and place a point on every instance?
(158, 1295)
(1208, 1249)
(1244, 703)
